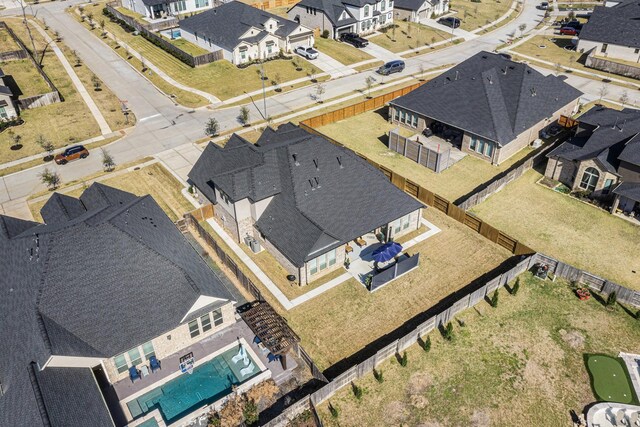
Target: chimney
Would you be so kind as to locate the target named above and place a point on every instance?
(295, 159)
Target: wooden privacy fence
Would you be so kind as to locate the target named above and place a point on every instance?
(437, 161)
(147, 31)
(13, 55)
(271, 4)
(39, 100)
(432, 199)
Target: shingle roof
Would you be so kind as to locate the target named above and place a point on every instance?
(619, 25)
(333, 9)
(490, 96)
(225, 24)
(107, 273)
(323, 195)
(607, 135)
(629, 189)
(414, 5)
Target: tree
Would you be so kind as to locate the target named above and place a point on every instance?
(624, 98)
(57, 36)
(296, 63)
(261, 74)
(421, 71)
(143, 66)
(378, 376)
(44, 23)
(50, 178)
(522, 27)
(611, 299)
(108, 163)
(250, 412)
(369, 81)
(277, 80)
(494, 299)
(244, 116)
(408, 29)
(15, 138)
(333, 410)
(97, 84)
(516, 287)
(447, 331)
(320, 90)
(212, 127)
(357, 391)
(312, 73)
(403, 359)
(427, 344)
(102, 24)
(46, 146)
(433, 40)
(393, 32)
(571, 15)
(76, 58)
(603, 91)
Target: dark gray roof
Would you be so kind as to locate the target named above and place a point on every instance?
(103, 275)
(224, 25)
(323, 195)
(607, 135)
(615, 25)
(333, 9)
(413, 5)
(155, 2)
(490, 96)
(629, 189)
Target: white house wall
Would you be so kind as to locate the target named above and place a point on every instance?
(613, 51)
(72, 362)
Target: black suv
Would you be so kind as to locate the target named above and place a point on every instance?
(354, 39)
(449, 22)
(573, 24)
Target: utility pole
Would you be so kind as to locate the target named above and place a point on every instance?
(264, 91)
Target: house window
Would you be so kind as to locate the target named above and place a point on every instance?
(366, 10)
(217, 317)
(202, 3)
(322, 262)
(121, 363)
(270, 47)
(148, 350)
(604, 48)
(414, 120)
(180, 6)
(589, 179)
(382, 5)
(637, 50)
(481, 146)
(205, 321)
(313, 266)
(405, 222)
(397, 115)
(607, 186)
(3, 113)
(194, 330)
(243, 57)
(134, 356)
(331, 256)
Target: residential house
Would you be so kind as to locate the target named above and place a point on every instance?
(244, 33)
(418, 10)
(602, 158)
(343, 16)
(487, 106)
(302, 198)
(613, 32)
(7, 107)
(103, 285)
(160, 9)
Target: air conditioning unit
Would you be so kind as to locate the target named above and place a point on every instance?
(247, 240)
(255, 246)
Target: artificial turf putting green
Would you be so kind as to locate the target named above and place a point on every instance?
(609, 379)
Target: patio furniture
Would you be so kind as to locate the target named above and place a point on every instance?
(242, 355)
(633, 419)
(144, 369)
(386, 252)
(272, 357)
(348, 249)
(620, 418)
(134, 374)
(249, 369)
(360, 242)
(154, 364)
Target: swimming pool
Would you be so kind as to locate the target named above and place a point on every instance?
(209, 382)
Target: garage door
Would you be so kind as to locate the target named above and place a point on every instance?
(345, 30)
(301, 41)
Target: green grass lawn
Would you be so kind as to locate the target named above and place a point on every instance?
(26, 76)
(555, 52)
(367, 133)
(187, 46)
(476, 15)
(7, 44)
(563, 227)
(609, 378)
(341, 52)
(408, 35)
(520, 364)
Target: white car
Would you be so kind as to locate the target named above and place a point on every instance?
(307, 52)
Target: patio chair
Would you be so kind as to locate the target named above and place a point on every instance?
(248, 370)
(144, 369)
(257, 340)
(134, 374)
(633, 419)
(273, 357)
(154, 364)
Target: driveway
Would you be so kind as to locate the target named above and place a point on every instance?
(331, 66)
(380, 53)
(458, 32)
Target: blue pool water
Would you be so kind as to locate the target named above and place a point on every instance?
(209, 382)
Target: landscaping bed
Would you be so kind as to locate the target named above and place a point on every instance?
(520, 364)
(566, 228)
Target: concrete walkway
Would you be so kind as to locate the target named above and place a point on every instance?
(332, 66)
(380, 53)
(457, 33)
(95, 111)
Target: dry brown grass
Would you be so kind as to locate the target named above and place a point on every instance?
(509, 366)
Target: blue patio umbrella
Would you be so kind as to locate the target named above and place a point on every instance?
(386, 252)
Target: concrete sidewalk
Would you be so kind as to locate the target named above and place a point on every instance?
(380, 53)
(457, 33)
(331, 66)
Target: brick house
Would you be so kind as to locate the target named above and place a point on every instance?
(602, 158)
(103, 285)
(301, 197)
(487, 106)
(8, 109)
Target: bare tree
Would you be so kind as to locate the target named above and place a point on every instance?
(312, 73)
(624, 98)
(244, 116)
(23, 6)
(46, 146)
(97, 84)
(277, 80)
(108, 163)
(369, 81)
(76, 58)
(320, 90)
(522, 28)
(603, 91)
(50, 178)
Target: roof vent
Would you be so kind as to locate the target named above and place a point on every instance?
(315, 162)
(511, 67)
(490, 81)
(533, 91)
(457, 73)
(339, 158)
(295, 159)
(484, 56)
(317, 182)
(504, 71)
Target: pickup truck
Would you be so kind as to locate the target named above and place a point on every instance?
(354, 39)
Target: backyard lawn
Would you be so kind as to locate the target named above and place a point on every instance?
(520, 364)
(408, 35)
(555, 52)
(367, 134)
(154, 180)
(7, 44)
(475, 15)
(567, 229)
(26, 76)
(341, 52)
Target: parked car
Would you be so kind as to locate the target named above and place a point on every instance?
(354, 39)
(307, 52)
(449, 22)
(543, 6)
(573, 24)
(551, 131)
(391, 67)
(72, 153)
(568, 31)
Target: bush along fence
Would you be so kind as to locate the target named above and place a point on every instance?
(149, 34)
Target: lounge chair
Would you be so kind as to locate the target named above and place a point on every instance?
(633, 419)
(134, 374)
(242, 355)
(248, 370)
(154, 364)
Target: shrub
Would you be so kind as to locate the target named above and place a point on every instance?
(427, 344)
(403, 359)
(50, 178)
(494, 299)
(357, 391)
(334, 411)
(212, 127)
(516, 287)
(447, 331)
(250, 412)
(108, 163)
(244, 116)
(638, 314)
(378, 376)
(611, 299)
(325, 34)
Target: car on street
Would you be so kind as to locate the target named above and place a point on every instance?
(307, 52)
(391, 67)
(568, 31)
(354, 39)
(449, 22)
(543, 6)
(72, 153)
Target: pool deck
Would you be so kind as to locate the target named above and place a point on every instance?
(633, 367)
(170, 364)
